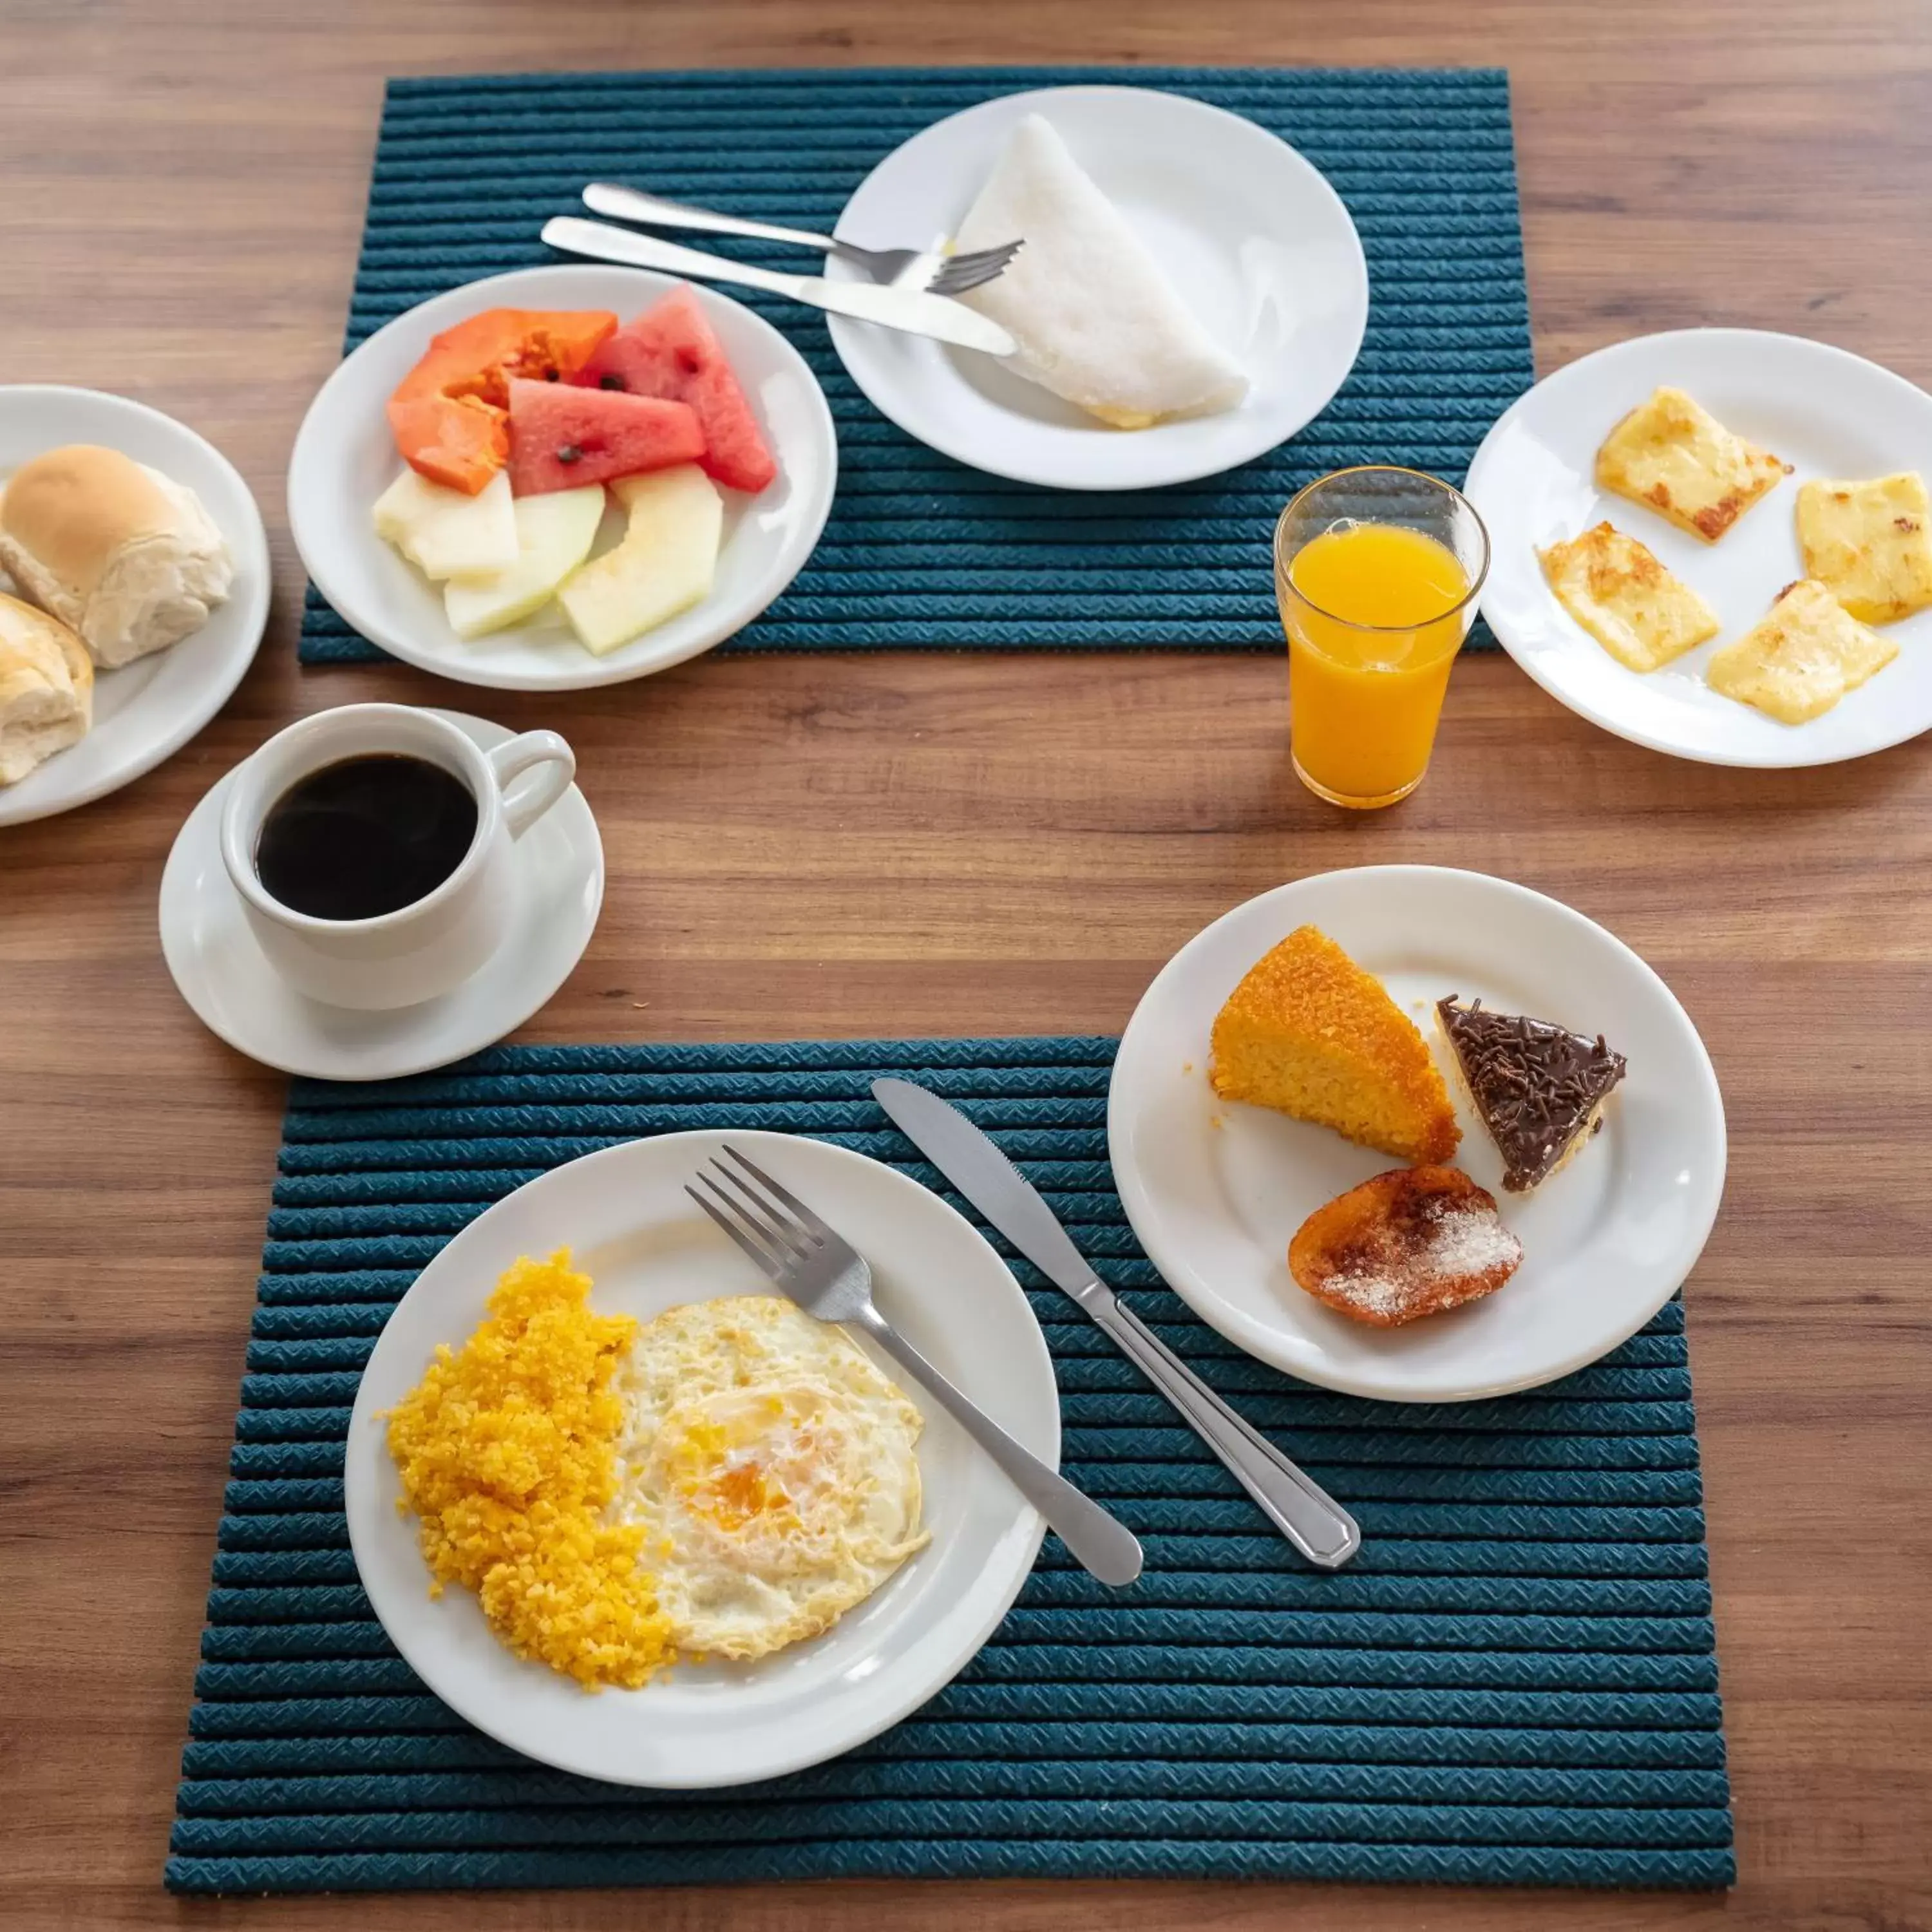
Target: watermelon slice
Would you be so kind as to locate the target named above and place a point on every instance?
(562, 438)
(670, 351)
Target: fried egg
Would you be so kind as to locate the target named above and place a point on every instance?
(773, 1468)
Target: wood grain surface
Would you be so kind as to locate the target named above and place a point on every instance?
(829, 845)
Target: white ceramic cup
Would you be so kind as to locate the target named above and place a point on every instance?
(425, 948)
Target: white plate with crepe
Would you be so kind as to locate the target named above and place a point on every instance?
(345, 458)
(1215, 1190)
(624, 1213)
(1248, 238)
(144, 712)
(1825, 412)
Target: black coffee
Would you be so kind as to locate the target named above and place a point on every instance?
(365, 836)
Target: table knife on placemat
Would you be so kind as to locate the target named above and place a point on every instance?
(1305, 1514)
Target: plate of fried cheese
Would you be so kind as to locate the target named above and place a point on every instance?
(1416, 1134)
(1718, 543)
(634, 1515)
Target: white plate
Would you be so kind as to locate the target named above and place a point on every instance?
(1215, 1190)
(1257, 242)
(226, 977)
(147, 710)
(1826, 412)
(345, 458)
(624, 1213)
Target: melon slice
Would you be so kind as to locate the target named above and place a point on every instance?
(445, 533)
(671, 351)
(554, 534)
(562, 438)
(664, 564)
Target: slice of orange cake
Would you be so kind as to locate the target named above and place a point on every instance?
(1308, 1033)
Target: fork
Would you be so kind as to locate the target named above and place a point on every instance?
(928, 268)
(821, 1271)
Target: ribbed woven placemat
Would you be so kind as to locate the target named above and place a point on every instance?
(920, 551)
(1515, 1682)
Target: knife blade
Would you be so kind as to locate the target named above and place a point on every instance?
(1298, 1507)
(914, 311)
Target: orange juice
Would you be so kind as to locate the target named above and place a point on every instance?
(1373, 617)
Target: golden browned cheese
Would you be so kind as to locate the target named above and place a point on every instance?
(1801, 657)
(1309, 1033)
(1619, 592)
(1869, 543)
(1673, 456)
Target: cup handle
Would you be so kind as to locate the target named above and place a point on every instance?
(543, 752)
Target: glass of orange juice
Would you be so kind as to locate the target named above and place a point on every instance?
(1376, 570)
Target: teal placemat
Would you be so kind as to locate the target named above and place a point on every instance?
(1515, 1680)
(921, 552)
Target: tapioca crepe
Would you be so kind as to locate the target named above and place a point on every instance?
(1097, 321)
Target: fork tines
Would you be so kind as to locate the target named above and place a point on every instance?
(758, 1221)
(961, 272)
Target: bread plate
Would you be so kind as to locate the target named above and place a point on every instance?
(345, 457)
(624, 1213)
(1215, 1190)
(146, 711)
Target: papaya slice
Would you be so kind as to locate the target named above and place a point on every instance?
(451, 414)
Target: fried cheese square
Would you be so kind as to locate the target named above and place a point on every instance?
(1802, 656)
(1673, 456)
(1619, 592)
(1868, 544)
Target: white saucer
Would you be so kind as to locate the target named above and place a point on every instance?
(1215, 1190)
(223, 975)
(1826, 412)
(624, 1213)
(1253, 236)
(147, 710)
(344, 458)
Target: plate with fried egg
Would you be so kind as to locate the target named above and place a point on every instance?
(636, 1517)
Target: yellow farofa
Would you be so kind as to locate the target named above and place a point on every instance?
(507, 1449)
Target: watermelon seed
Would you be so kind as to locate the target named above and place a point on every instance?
(611, 382)
(570, 453)
(550, 375)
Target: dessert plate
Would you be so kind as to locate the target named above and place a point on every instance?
(1252, 234)
(345, 458)
(223, 974)
(146, 711)
(624, 1214)
(1825, 412)
(1215, 1190)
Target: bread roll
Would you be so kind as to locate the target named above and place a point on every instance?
(126, 557)
(46, 688)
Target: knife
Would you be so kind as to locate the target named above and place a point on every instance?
(1305, 1514)
(914, 311)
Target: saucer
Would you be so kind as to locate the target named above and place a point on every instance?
(223, 975)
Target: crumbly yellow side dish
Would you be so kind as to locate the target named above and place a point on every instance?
(1869, 544)
(507, 1449)
(1673, 456)
(1619, 592)
(1801, 657)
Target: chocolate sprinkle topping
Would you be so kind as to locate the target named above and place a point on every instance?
(1537, 1085)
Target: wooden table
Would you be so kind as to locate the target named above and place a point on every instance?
(824, 844)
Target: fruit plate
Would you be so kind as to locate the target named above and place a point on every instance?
(1825, 412)
(624, 1214)
(345, 458)
(1215, 1190)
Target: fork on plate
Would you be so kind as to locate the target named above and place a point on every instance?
(931, 269)
(821, 1270)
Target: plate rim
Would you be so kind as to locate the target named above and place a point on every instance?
(1635, 734)
(222, 686)
(357, 1505)
(847, 334)
(1137, 1198)
(596, 672)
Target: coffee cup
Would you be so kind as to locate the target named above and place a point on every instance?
(427, 947)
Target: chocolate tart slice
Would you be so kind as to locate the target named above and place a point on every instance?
(1537, 1087)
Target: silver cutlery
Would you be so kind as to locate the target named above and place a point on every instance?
(916, 311)
(821, 1271)
(1305, 1514)
(928, 269)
